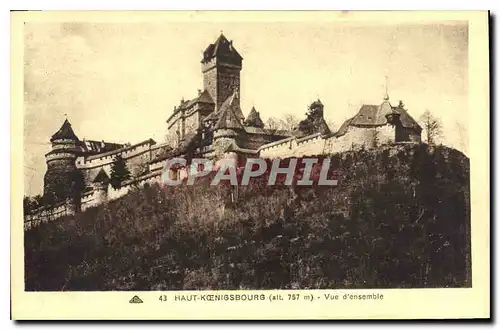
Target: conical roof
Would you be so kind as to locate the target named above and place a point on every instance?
(323, 127)
(101, 177)
(253, 119)
(65, 132)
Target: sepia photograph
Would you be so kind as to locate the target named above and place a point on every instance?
(238, 155)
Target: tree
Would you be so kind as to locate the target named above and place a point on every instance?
(32, 203)
(288, 122)
(272, 123)
(119, 172)
(38, 200)
(432, 127)
(28, 205)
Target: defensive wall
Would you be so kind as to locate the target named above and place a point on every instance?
(140, 155)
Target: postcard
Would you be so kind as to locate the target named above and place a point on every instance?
(182, 165)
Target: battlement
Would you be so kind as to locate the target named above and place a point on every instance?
(212, 125)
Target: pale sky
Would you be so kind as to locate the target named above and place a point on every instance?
(120, 82)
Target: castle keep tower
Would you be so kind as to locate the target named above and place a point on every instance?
(221, 66)
(62, 179)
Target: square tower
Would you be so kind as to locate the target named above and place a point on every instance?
(221, 66)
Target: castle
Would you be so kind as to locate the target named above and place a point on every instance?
(211, 125)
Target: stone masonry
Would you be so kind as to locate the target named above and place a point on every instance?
(211, 125)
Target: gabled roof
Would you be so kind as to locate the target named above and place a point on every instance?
(233, 103)
(343, 128)
(228, 119)
(376, 115)
(101, 177)
(204, 97)
(65, 132)
(405, 118)
(373, 115)
(221, 48)
(253, 119)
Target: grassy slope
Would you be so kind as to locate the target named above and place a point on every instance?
(399, 218)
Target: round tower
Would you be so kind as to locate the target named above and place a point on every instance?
(62, 179)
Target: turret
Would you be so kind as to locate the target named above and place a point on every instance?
(253, 119)
(314, 122)
(62, 179)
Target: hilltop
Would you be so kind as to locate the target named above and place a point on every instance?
(400, 217)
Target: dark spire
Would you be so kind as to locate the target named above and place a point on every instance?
(65, 132)
(253, 119)
(316, 104)
(222, 48)
(101, 177)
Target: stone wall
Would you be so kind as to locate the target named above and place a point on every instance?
(316, 144)
(228, 81)
(191, 123)
(174, 125)
(89, 199)
(47, 214)
(253, 138)
(136, 158)
(210, 79)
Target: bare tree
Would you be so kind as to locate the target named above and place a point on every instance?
(432, 127)
(288, 122)
(272, 123)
